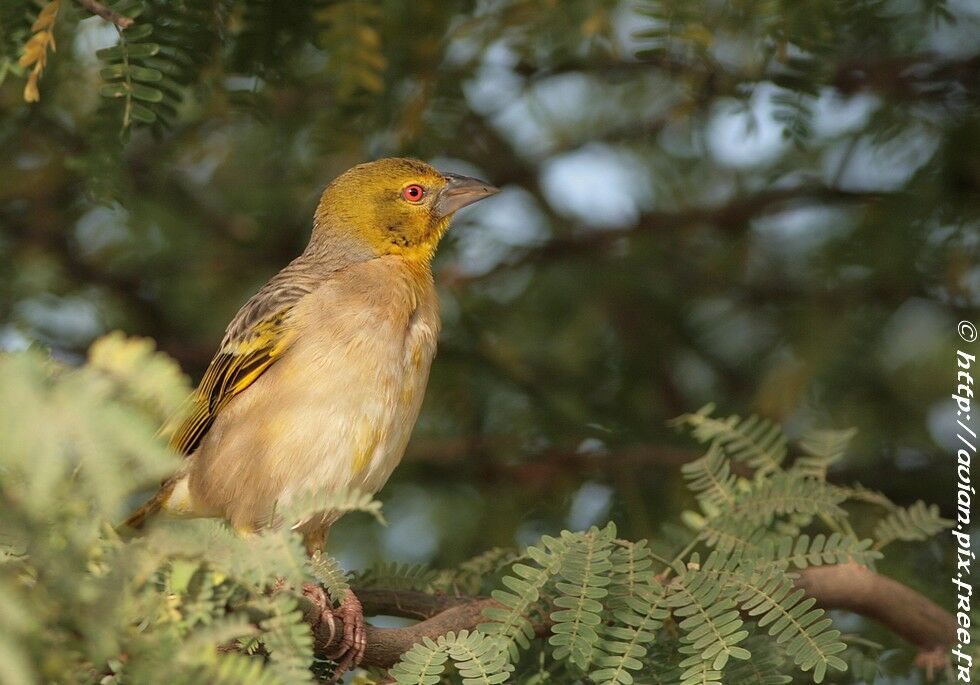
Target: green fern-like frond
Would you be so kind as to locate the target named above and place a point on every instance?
(395, 576)
(471, 574)
(754, 441)
(808, 635)
(864, 667)
(766, 667)
(146, 377)
(711, 479)
(632, 569)
(524, 586)
(697, 671)
(287, 638)
(274, 554)
(727, 534)
(196, 588)
(767, 592)
(95, 420)
(200, 645)
(633, 629)
(128, 80)
(325, 569)
(821, 450)
(234, 669)
(336, 503)
(490, 561)
(252, 561)
(707, 616)
(860, 493)
(804, 551)
(423, 664)
(582, 587)
(480, 659)
(918, 522)
(637, 607)
(147, 71)
(787, 493)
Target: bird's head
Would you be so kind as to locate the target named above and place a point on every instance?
(393, 206)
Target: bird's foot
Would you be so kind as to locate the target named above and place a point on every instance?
(350, 613)
(350, 651)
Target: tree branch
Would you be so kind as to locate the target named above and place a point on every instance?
(107, 13)
(731, 215)
(849, 587)
(386, 645)
(899, 608)
(922, 76)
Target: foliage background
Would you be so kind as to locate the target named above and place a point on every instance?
(769, 204)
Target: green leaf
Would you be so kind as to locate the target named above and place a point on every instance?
(138, 32)
(710, 478)
(337, 503)
(917, 522)
(128, 51)
(511, 621)
(142, 114)
(584, 570)
(786, 493)
(822, 449)
(146, 93)
(757, 442)
(328, 573)
(134, 72)
(114, 90)
(423, 664)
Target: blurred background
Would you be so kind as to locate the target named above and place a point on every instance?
(767, 204)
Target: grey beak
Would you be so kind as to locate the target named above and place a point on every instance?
(459, 192)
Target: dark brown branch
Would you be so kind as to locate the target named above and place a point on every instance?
(921, 76)
(541, 471)
(107, 13)
(386, 645)
(731, 215)
(850, 587)
(912, 77)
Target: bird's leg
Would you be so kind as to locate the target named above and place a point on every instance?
(350, 613)
(353, 642)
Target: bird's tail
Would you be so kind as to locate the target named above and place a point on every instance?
(139, 518)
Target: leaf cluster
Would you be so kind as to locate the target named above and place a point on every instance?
(193, 602)
(175, 602)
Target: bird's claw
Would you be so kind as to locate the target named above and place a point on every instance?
(350, 613)
(354, 640)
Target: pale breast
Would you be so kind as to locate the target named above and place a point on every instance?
(337, 410)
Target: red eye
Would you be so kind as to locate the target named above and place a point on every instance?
(413, 193)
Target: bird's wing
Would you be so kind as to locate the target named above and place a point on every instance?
(258, 335)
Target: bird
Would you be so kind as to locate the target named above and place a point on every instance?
(319, 378)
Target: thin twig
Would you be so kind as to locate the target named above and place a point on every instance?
(107, 13)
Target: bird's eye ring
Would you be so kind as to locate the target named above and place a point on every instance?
(413, 193)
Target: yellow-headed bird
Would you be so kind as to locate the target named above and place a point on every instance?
(320, 375)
